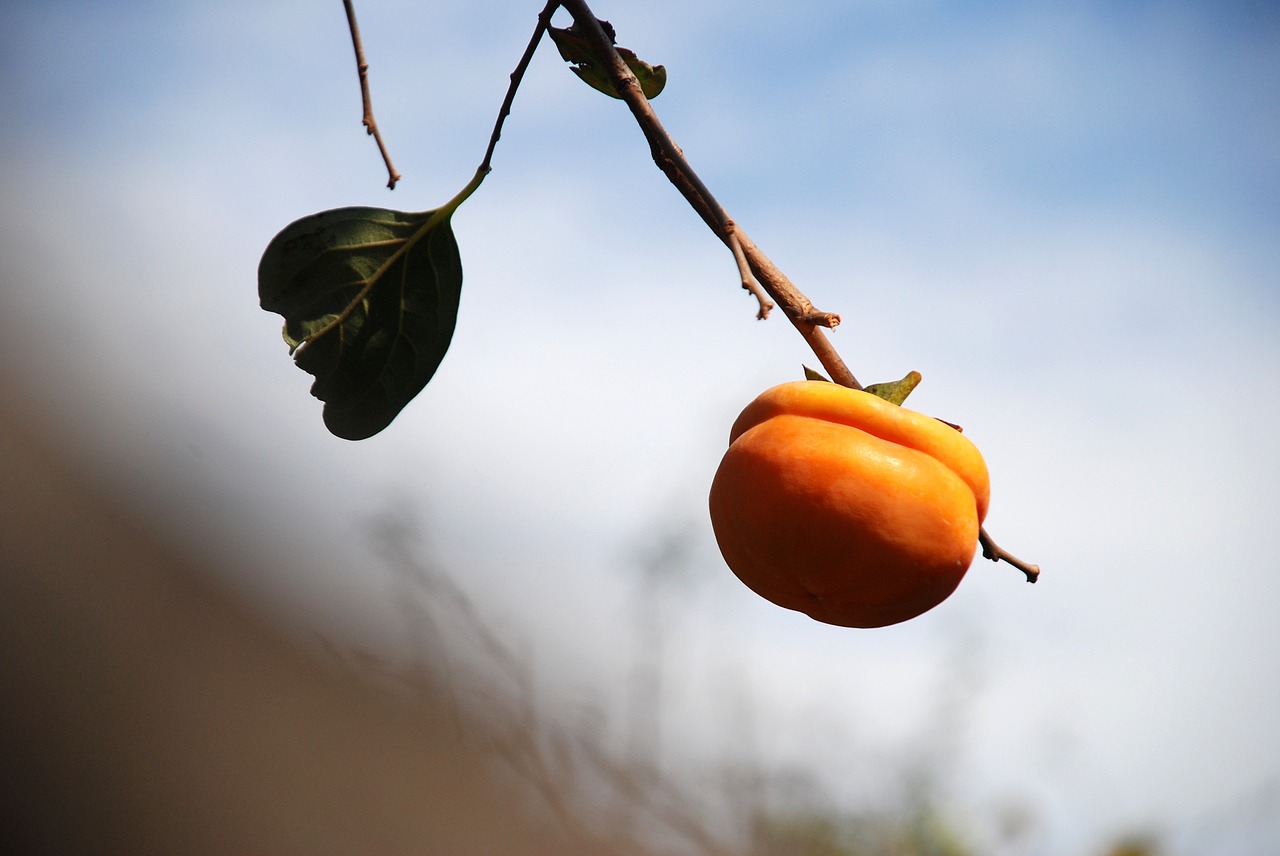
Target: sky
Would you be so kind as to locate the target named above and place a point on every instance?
(1065, 217)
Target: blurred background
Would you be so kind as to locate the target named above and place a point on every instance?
(1064, 217)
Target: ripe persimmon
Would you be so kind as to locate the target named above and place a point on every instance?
(838, 504)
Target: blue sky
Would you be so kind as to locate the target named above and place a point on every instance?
(1065, 218)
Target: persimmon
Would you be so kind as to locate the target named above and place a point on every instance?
(846, 507)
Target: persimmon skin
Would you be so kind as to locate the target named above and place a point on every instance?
(836, 503)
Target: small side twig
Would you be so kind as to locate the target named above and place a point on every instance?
(744, 270)
(362, 67)
(991, 550)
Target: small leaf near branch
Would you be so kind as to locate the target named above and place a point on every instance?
(814, 374)
(370, 299)
(895, 391)
(575, 49)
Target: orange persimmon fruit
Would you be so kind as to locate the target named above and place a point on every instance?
(843, 506)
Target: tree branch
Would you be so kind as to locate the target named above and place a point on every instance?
(362, 67)
(670, 159)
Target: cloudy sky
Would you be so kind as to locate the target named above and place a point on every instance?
(1066, 216)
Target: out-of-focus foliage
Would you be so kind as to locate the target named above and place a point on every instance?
(1139, 845)
(894, 833)
(627, 801)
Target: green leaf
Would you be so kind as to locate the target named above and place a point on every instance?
(370, 299)
(814, 374)
(895, 391)
(575, 48)
(367, 312)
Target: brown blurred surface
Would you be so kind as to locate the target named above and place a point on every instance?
(142, 711)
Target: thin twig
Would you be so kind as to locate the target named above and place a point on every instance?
(991, 550)
(670, 159)
(544, 21)
(744, 270)
(362, 67)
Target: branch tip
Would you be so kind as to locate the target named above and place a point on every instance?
(749, 281)
(991, 550)
(362, 69)
(821, 319)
